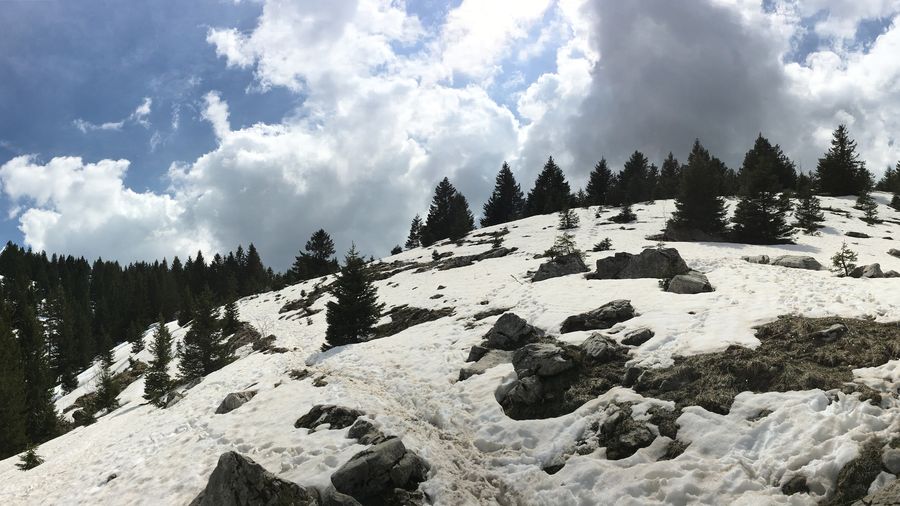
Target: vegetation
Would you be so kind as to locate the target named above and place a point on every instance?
(567, 219)
(844, 261)
(351, 317)
(506, 202)
(449, 216)
(158, 382)
(699, 206)
(551, 192)
(840, 171)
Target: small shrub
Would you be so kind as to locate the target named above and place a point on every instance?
(562, 246)
(604, 245)
(396, 250)
(497, 241)
(626, 215)
(567, 219)
(29, 460)
(435, 256)
(844, 261)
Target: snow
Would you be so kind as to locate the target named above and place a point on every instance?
(407, 384)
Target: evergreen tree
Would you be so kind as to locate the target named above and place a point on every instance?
(843, 262)
(563, 245)
(763, 154)
(868, 206)
(62, 353)
(396, 250)
(625, 215)
(414, 239)
(667, 186)
(506, 202)
(449, 216)
(318, 259)
(204, 348)
(158, 382)
(634, 179)
(760, 214)
(551, 192)
(895, 202)
(136, 337)
(808, 212)
(840, 171)
(12, 392)
(40, 422)
(890, 181)
(598, 185)
(253, 277)
(568, 219)
(698, 207)
(231, 321)
(355, 308)
(107, 391)
(29, 460)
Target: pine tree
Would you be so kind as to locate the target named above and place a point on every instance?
(41, 422)
(895, 202)
(598, 184)
(355, 310)
(414, 239)
(12, 392)
(253, 278)
(669, 182)
(625, 215)
(396, 250)
(763, 154)
(760, 214)
(107, 391)
(808, 212)
(449, 216)
(136, 337)
(506, 203)
(840, 171)
(698, 207)
(551, 192)
(231, 320)
(204, 348)
(568, 219)
(61, 346)
(158, 382)
(634, 179)
(318, 259)
(843, 262)
(563, 245)
(29, 460)
(868, 206)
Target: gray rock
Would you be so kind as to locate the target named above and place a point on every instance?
(623, 436)
(238, 481)
(795, 485)
(637, 337)
(832, 333)
(337, 417)
(331, 497)
(889, 495)
(858, 235)
(366, 433)
(234, 400)
(603, 317)
(890, 458)
(892, 274)
(894, 252)
(631, 376)
(867, 271)
(373, 474)
(690, 283)
(560, 266)
(602, 349)
(511, 332)
(489, 360)
(542, 359)
(476, 352)
(756, 259)
(797, 262)
(650, 263)
(527, 390)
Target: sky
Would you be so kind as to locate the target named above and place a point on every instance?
(142, 130)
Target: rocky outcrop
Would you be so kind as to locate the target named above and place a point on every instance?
(234, 400)
(894, 252)
(857, 235)
(637, 337)
(830, 334)
(889, 495)
(381, 474)
(560, 266)
(541, 359)
(490, 359)
(603, 317)
(756, 259)
(337, 417)
(509, 333)
(602, 349)
(404, 317)
(660, 263)
(691, 283)
(239, 481)
(366, 433)
(467, 260)
(867, 271)
(797, 262)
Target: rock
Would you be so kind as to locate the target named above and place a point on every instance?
(867, 271)
(756, 259)
(890, 459)
(637, 337)
(527, 390)
(476, 352)
(889, 495)
(892, 274)
(560, 266)
(238, 481)
(337, 417)
(490, 359)
(511, 332)
(603, 317)
(542, 359)
(795, 485)
(832, 333)
(797, 262)
(374, 473)
(650, 263)
(631, 376)
(331, 497)
(894, 252)
(602, 349)
(690, 283)
(234, 400)
(858, 235)
(623, 436)
(366, 433)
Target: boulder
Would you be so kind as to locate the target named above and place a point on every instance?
(377, 472)
(560, 266)
(889, 495)
(238, 481)
(489, 360)
(603, 317)
(234, 400)
(650, 263)
(894, 252)
(690, 283)
(858, 235)
(830, 334)
(602, 349)
(756, 259)
(366, 433)
(331, 497)
(795, 485)
(527, 390)
(623, 436)
(890, 459)
(542, 359)
(637, 337)
(797, 262)
(867, 271)
(892, 274)
(511, 332)
(337, 417)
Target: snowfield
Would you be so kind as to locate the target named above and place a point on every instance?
(407, 383)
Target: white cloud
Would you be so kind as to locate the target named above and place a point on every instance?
(216, 112)
(139, 116)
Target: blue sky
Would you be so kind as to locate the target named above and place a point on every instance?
(377, 100)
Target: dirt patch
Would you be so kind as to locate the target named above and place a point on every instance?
(306, 300)
(404, 317)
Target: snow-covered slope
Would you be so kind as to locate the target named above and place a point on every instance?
(408, 384)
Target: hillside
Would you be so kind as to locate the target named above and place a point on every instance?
(407, 383)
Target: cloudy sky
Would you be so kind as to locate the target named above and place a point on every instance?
(143, 130)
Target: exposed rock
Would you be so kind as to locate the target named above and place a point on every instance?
(603, 317)
(858, 235)
(797, 262)
(299, 374)
(525, 391)
(637, 337)
(244, 335)
(620, 434)
(481, 315)
(795, 485)
(690, 283)
(892, 274)
(476, 352)
(337, 417)
(239, 481)
(374, 475)
(264, 343)
(511, 332)
(650, 263)
(331, 497)
(756, 259)
(466, 260)
(894, 252)
(366, 433)
(404, 317)
(890, 459)
(602, 349)
(560, 266)
(542, 359)
(489, 360)
(234, 400)
(830, 334)
(867, 271)
(889, 495)
(856, 476)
